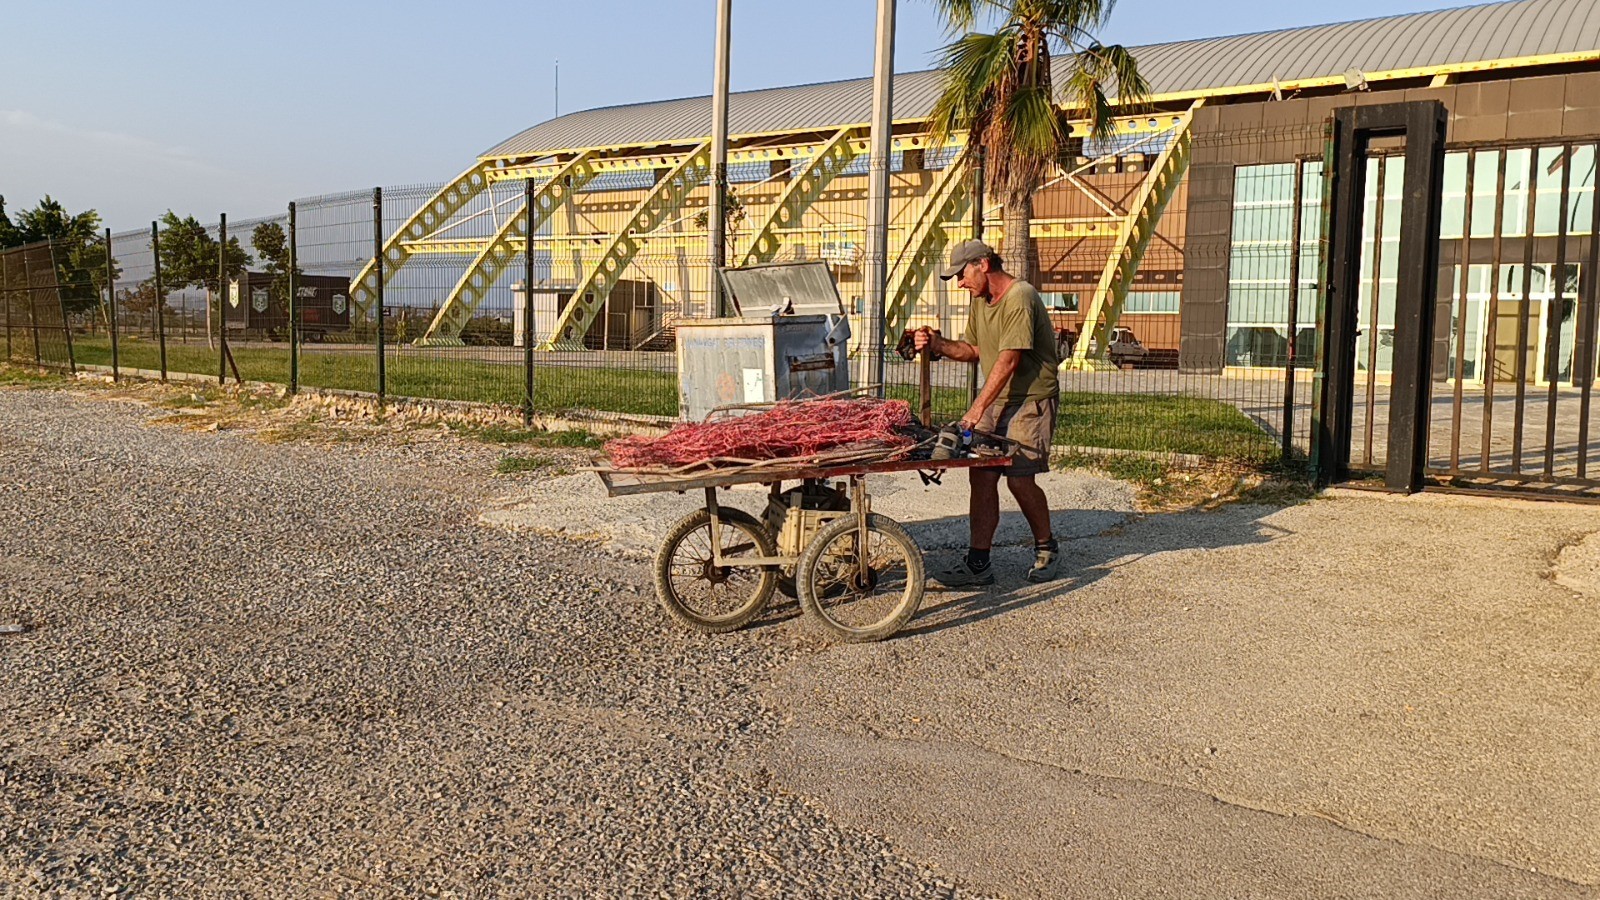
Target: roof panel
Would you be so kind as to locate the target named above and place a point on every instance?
(1506, 30)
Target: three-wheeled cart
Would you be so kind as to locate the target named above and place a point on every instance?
(857, 574)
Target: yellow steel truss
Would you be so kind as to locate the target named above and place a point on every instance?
(835, 155)
(500, 250)
(665, 198)
(428, 219)
(923, 250)
(1133, 237)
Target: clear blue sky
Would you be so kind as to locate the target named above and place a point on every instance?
(203, 107)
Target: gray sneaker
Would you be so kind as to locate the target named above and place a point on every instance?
(960, 575)
(1045, 564)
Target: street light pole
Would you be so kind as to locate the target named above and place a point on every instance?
(716, 220)
(877, 274)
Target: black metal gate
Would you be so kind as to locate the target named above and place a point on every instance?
(1461, 310)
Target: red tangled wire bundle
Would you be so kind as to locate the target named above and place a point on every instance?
(793, 429)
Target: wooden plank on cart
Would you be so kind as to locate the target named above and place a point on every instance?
(621, 483)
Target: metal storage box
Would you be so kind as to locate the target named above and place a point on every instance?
(765, 358)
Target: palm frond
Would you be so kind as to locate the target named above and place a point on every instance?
(1132, 89)
(1097, 69)
(961, 16)
(1034, 132)
(976, 68)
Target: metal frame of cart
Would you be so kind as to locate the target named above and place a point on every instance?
(809, 543)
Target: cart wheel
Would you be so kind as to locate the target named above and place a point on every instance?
(709, 598)
(833, 593)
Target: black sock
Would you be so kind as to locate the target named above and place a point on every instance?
(1047, 544)
(977, 560)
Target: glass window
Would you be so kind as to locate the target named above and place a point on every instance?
(1259, 263)
(1547, 190)
(1452, 221)
(1514, 217)
(1147, 302)
(1485, 175)
(1580, 199)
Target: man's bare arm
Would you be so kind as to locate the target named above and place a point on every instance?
(960, 351)
(999, 379)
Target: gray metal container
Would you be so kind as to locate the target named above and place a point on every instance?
(722, 362)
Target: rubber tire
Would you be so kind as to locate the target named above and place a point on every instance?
(696, 521)
(916, 578)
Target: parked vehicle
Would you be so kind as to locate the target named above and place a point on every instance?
(1126, 350)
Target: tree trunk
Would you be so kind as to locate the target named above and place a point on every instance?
(1020, 253)
(210, 337)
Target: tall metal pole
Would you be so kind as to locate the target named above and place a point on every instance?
(717, 216)
(979, 173)
(377, 256)
(222, 301)
(161, 298)
(527, 307)
(111, 308)
(877, 274)
(294, 304)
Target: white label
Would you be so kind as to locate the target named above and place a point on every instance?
(755, 386)
(233, 293)
(338, 304)
(258, 299)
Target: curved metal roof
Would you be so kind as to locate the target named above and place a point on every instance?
(1518, 29)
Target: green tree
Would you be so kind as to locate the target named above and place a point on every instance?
(8, 232)
(999, 88)
(190, 257)
(79, 250)
(272, 245)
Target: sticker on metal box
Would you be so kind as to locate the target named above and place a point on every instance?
(755, 386)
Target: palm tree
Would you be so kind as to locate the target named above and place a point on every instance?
(998, 88)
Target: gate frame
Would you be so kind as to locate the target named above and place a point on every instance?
(1423, 123)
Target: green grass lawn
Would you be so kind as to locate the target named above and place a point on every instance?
(412, 374)
(1148, 422)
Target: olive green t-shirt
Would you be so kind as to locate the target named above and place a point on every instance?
(1017, 321)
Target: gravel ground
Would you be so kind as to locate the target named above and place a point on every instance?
(288, 670)
(284, 671)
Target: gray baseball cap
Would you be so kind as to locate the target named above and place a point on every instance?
(965, 252)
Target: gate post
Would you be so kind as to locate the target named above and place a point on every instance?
(1416, 297)
(1423, 124)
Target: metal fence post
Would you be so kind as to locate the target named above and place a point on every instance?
(294, 305)
(111, 309)
(66, 324)
(33, 312)
(1297, 198)
(222, 300)
(377, 257)
(527, 307)
(161, 299)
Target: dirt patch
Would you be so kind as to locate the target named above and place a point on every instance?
(1577, 566)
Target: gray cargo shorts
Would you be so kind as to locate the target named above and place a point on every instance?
(1031, 423)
